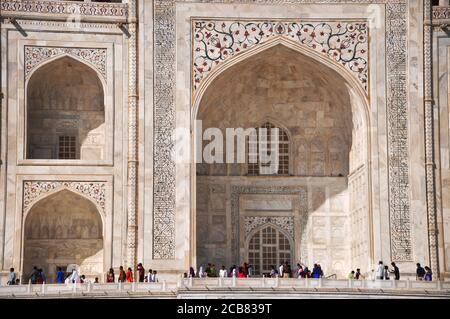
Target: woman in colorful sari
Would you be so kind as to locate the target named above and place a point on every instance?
(129, 275)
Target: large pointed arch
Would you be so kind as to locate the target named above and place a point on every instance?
(360, 113)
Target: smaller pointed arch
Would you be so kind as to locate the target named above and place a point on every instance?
(60, 229)
(269, 246)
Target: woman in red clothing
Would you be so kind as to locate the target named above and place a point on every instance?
(241, 272)
(129, 275)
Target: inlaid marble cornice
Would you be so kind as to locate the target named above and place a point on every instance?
(441, 13)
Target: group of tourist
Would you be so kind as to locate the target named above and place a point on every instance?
(127, 276)
(383, 272)
(244, 271)
(37, 276)
(423, 273)
(247, 270)
(356, 275)
(304, 272)
(72, 277)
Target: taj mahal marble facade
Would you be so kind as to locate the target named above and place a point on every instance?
(92, 92)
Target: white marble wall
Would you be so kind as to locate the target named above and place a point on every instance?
(15, 168)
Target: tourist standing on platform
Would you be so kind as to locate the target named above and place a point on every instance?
(250, 271)
(74, 278)
(213, 271)
(286, 270)
(41, 277)
(96, 280)
(386, 273)
(396, 271)
(351, 275)
(241, 272)
(60, 276)
(317, 271)
(141, 272)
(122, 275)
(150, 275)
(34, 275)
(110, 275)
(129, 275)
(200, 272)
(153, 277)
(428, 274)
(281, 270)
(234, 272)
(191, 272)
(420, 272)
(299, 271)
(380, 270)
(307, 273)
(358, 274)
(273, 272)
(245, 267)
(223, 272)
(208, 270)
(11, 277)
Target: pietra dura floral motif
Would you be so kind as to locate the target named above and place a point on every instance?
(343, 42)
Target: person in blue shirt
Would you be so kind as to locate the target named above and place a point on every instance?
(60, 276)
(428, 274)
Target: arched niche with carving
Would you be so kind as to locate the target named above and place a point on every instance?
(65, 114)
(61, 229)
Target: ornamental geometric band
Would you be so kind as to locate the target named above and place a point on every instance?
(64, 8)
(343, 42)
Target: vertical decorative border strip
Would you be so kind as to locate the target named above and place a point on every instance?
(132, 161)
(430, 165)
(397, 120)
(164, 122)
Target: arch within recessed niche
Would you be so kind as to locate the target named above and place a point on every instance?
(326, 114)
(61, 229)
(65, 112)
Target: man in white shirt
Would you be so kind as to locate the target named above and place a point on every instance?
(281, 270)
(223, 272)
(74, 278)
(380, 270)
(200, 272)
